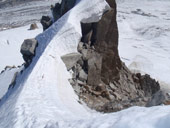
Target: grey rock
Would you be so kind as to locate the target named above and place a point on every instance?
(82, 75)
(46, 22)
(33, 26)
(80, 46)
(71, 59)
(28, 50)
(94, 69)
(110, 85)
(85, 54)
(161, 97)
(28, 47)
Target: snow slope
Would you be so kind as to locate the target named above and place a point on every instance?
(144, 43)
(6, 78)
(43, 97)
(10, 43)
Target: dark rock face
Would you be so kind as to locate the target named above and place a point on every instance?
(46, 22)
(66, 5)
(107, 84)
(28, 50)
(57, 11)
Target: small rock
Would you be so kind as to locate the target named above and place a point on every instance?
(13, 82)
(80, 46)
(161, 97)
(28, 48)
(82, 75)
(85, 54)
(46, 22)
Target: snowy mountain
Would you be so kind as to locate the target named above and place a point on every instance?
(43, 96)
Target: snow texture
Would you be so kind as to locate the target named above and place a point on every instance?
(10, 43)
(43, 97)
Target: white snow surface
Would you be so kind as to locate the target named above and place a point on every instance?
(10, 43)
(43, 97)
(144, 41)
(5, 80)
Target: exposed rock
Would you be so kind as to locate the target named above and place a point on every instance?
(46, 22)
(110, 86)
(82, 75)
(94, 69)
(148, 85)
(80, 47)
(33, 26)
(71, 59)
(161, 97)
(28, 49)
(9, 67)
(57, 11)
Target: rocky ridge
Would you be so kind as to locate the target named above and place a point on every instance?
(99, 77)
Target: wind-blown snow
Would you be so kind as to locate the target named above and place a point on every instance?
(43, 97)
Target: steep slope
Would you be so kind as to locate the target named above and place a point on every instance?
(10, 42)
(43, 91)
(43, 97)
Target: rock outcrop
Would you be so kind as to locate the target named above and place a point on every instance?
(28, 48)
(57, 11)
(100, 78)
(46, 22)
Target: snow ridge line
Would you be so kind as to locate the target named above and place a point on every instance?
(39, 94)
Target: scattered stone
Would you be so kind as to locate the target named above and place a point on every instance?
(161, 97)
(33, 26)
(57, 11)
(94, 69)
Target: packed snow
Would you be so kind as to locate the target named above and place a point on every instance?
(43, 97)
